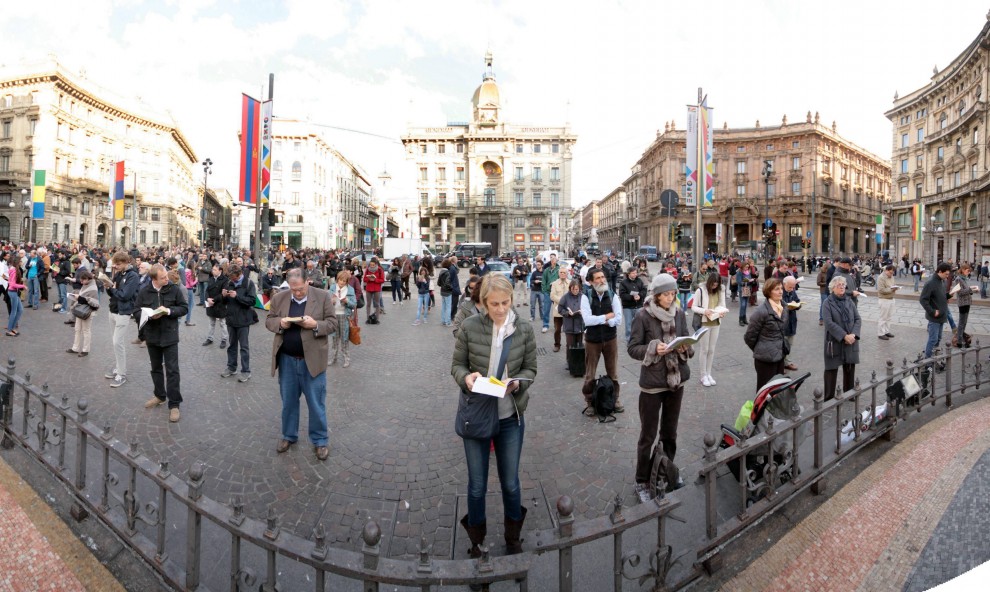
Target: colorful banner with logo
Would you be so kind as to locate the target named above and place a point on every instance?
(118, 191)
(250, 135)
(266, 150)
(38, 196)
(699, 133)
(917, 220)
(880, 229)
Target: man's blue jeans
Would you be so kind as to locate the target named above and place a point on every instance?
(191, 300)
(294, 379)
(34, 292)
(63, 298)
(934, 337)
(508, 449)
(202, 294)
(917, 280)
(445, 309)
(743, 303)
(535, 303)
(627, 317)
(545, 310)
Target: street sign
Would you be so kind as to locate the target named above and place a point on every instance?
(768, 223)
(809, 234)
(668, 200)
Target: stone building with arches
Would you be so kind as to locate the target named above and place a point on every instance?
(491, 181)
(940, 160)
(75, 130)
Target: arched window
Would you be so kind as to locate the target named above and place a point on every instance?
(4, 228)
(956, 217)
(296, 171)
(972, 214)
(277, 169)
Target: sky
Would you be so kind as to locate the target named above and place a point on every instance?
(616, 71)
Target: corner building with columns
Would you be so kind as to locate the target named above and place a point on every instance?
(490, 181)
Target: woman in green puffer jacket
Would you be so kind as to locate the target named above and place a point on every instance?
(476, 355)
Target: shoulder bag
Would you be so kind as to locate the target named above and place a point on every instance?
(477, 415)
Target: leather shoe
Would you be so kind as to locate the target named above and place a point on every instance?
(884, 337)
(790, 367)
(556, 348)
(890, 334)
(322, 452)
(282, 446)
(619, 409)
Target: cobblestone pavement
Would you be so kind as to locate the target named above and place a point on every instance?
(913, 519)
(394, 456)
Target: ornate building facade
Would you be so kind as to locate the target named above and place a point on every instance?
(821, 187)
(940, 158)
(491, 181)
(52, 120)
(320, 198)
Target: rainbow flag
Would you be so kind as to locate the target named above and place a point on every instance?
(118, 191)
(250, 130)
(917, 221)
(38, 196)
(262, 301)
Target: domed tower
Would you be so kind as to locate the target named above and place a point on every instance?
(485, 103)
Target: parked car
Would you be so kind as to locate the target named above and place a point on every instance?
(499, 266)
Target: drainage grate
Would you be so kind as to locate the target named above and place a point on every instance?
(542, 351)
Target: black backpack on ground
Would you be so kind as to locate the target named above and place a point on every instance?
(603, 399)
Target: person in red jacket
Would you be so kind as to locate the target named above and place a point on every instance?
(374, 277)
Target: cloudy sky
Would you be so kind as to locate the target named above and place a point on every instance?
(616, 70)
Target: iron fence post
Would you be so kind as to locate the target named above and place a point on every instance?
(194, 526)
(565, 571)
(818, 487)
(82, 416)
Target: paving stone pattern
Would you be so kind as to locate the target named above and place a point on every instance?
(394, 455)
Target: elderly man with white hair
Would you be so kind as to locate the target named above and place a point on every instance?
(790, 299)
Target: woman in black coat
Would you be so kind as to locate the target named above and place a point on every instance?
(765, 333)
(216, 308)
(842, 327)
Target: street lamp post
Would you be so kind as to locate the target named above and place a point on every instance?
(767, 172)
(207, 170)
(831, 229)
(27, 204)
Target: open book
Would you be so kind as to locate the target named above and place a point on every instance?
(687, 340)
(794, 305)
(152, 313)
(717, 312)
(293, 319)
(489, 385)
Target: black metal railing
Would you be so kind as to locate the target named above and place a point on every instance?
(163, 517)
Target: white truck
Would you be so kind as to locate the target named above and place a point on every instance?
(397, 247)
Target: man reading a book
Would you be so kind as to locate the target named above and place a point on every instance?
(161, 335)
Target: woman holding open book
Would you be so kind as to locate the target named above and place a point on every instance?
(765, 334)
(84, 327)
(709, 302)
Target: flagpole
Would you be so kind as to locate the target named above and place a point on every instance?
(113, 203)
(699, 200)
(134, 215)
(257, 210)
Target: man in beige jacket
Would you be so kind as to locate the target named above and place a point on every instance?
(886, 288)
(302, 318)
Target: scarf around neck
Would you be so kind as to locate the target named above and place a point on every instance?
(668, 328)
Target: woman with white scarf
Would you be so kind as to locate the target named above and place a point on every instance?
(478, 355)
(661, 376)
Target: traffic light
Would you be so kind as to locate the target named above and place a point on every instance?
(678, 231)
(271, 217)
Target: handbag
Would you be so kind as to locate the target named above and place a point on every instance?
(477, 415)
(354, 333)
(696, 322)
(82, 311)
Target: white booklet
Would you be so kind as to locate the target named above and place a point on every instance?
(489, 385)
(152, 313)
(687, 340)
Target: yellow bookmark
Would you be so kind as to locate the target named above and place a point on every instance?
(494, 380)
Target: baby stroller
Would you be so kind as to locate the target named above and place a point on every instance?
(777, 398)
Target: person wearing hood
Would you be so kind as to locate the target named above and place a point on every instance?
(478, 354)
(601, 311)
(662, 375)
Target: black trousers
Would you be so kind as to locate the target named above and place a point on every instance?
(6, 300)
(165, 372)
(238, 340)
(661, 410)
(832, 377)
(43, 281)
(765, 371)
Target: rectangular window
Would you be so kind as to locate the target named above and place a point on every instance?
(976, 136)
(741, 190)
(154, 237)
(796, 144)
(296, 146)
(84, 208)
(537, 199)
(795, 163)
(520, 222)
(537, 147)
(519, 199)
(424, 199)
(555, 148)
(460, 148)
(917, 191)
(940, 154)
(769, 147)
(519, 173)
(554, 200)
(295, 198)
(956, 179)
(771, 189)
(4, 163)
(904, 140)
(441, 148)
(442, 198)
(740, 149)
(555, 173)
(904, 165)
(144, 236)
(7, 125)
(460, 201)
(918, 161)
(460, 173)
(156, 216)
(460, 222)
(442, 173)
(489, 196)
(423, 175)
(921, 134)
(519, 148)
(938, 185)
(32, 125)
(537, 174)
(422, 148)
(796, 188)
(740, 167)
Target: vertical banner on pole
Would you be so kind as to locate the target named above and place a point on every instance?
(38, 195)
(266, 150)
(443, 230)
(250, 123)
(691, 163)
(700, 146)
(118, 191)
(917, 220)
(880, 229)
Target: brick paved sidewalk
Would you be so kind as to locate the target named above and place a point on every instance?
(913, 519)
(40, 553)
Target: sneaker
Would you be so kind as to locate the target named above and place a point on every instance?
(884, 337)
(188, 324)
(223, 345)
(679, 484)
(174, 415)
(153, 402)
(589, 411)
(207, 342)
(111, 375)
(704, 381)
(711, 380)
(544, 330)
(416, 323)
(227, 373)
(244, 377)
(619, 409)
(643, 493)
(118, 381)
